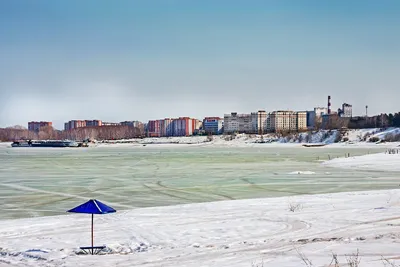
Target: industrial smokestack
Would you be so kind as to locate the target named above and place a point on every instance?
(329, 104)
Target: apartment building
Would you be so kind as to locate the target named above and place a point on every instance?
(258, 121)
(74, 124)
(286, 121)
(198, 125)
(36, 125)
(238, 123)
(346, 111)
(82, 123)
(315, 117)
(136, 124)
(301, 121)
(111, 124)
(166, 127)
(319, 111)
(93, 123)
(213, 125)
(153, 128)
(183, 126)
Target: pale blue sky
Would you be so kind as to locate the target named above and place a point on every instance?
(128, 60)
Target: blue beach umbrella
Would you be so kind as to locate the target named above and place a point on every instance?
(93, 206)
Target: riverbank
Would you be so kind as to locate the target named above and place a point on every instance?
(363, 137)
(226, 233)
(377, 162)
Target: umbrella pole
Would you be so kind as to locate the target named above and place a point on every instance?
(92, 233)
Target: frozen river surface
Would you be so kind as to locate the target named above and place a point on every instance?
(41, 181)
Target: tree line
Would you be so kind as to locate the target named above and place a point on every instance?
(393, 119)
(379, 121)
(79, 134)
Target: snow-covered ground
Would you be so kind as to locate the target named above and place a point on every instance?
(380, 162)
(361, 137)
(5, 144)
(227, 233)
(352, 137)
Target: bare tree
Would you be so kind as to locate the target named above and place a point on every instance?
(295, 207)
(308, 137)
(304, 258)
(388, 263)
(318, 123)
(49, 133)
(353, 260)
(334, 261)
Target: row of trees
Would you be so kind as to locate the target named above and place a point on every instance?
(393, 119)
(49, 133)
(379, 121)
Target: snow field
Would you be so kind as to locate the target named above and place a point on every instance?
(226, 233)
(378, 162)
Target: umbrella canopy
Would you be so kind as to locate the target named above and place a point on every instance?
(92, 206)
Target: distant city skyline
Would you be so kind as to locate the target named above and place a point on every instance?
(142, 60)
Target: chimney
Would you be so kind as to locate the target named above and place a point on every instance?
(329, 104)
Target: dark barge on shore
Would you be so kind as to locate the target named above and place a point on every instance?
(47, 143)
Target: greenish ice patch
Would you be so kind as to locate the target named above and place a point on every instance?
(43, 181)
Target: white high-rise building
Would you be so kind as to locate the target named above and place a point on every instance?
(320, 111)
(258, 121)
(346, 111)
(237, 123)
(287, 121)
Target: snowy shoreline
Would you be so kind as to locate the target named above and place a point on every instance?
(378, 162)
(225, 233)
(330, 138)
(326, 137)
